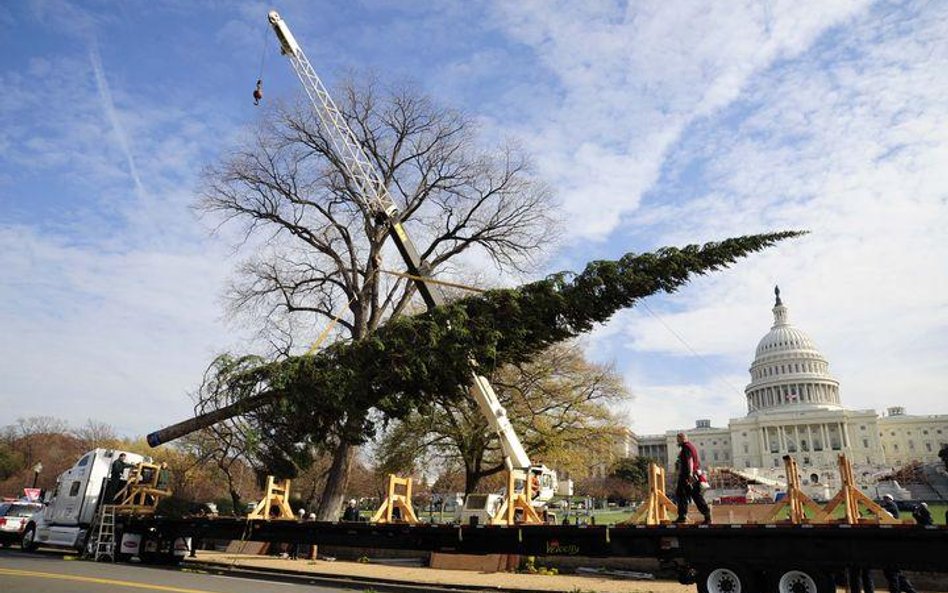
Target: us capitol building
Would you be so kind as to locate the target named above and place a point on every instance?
(794, 408)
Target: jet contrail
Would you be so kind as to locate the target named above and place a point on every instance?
(109, 106)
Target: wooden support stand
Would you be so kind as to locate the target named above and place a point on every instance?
(796, 500)
(507, 513)
(275, 503)
(657, 508)
(146, 486)
(393, 501)
(852, 499)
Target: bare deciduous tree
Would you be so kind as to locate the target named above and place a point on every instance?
(94, 434)
(322, 251)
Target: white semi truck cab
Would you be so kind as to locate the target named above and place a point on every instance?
(70, 507)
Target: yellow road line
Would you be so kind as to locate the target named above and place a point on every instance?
(69, 577)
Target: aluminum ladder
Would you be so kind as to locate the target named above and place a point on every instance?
(104, 533)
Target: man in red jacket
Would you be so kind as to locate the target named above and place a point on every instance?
(689, 484)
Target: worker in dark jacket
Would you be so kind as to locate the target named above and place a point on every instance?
(888, 503)
(689, 483)
(352, 512)
(116, 478)
(922, 515)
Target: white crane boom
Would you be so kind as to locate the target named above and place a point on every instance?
(374, 195)
(372, 190)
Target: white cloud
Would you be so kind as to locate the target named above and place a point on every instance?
(105, 334)
(108, 293)
(634, 77)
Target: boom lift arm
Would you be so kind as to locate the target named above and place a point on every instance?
(376, 198)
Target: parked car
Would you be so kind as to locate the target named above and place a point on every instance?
(14, 517)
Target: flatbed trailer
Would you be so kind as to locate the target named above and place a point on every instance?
(717, 558)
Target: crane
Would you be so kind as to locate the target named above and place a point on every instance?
(375, 196)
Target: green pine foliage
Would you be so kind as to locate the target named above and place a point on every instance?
(396, 369)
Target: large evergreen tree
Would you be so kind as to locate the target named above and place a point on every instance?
(342, 392)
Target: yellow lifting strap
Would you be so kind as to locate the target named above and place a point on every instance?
(432, 280)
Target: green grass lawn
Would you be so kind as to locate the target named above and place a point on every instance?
(606, 517)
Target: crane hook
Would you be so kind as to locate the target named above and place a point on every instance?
(258, 92)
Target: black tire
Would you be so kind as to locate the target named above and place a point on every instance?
(28, 540)
(724, 579)
(803, 580)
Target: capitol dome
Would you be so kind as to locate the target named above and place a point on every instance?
(789, 371)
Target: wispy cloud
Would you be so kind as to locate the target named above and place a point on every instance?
(633, 78)
(108, 107)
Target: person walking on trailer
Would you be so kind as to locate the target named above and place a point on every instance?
(689, 481)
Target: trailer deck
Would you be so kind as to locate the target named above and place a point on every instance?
(761, 546)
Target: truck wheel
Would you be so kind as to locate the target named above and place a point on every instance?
(28, 541)
(804, 580)
(724, 579)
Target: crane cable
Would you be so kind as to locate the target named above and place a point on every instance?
(258, 91)
(678, 336)
(263, 53)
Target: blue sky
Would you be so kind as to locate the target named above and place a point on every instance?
(657, 123)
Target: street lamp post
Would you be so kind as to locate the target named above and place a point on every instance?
(36, 472)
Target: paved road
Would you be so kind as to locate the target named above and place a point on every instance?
(51, 573)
